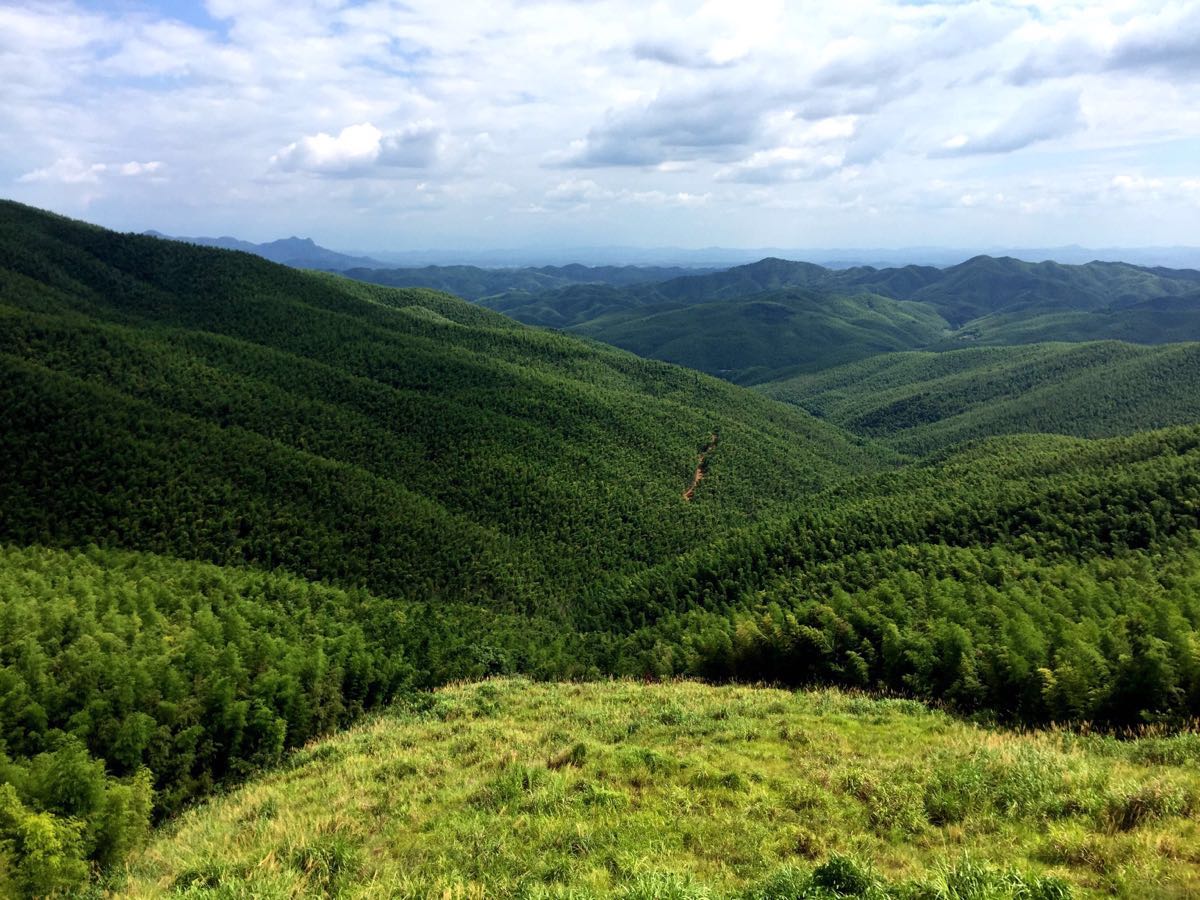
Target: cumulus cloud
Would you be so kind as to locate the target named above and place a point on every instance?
(718, 124)
(807, 151)
(69, 170)
(1041, 119)
(582, 193)
(1163, 43)
(359, 149)
(965, 29)
(355, 120)
(672, 126)
(781, 164)
(577, 190)
(138, 168)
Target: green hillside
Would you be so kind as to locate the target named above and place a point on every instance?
(985, 285)
(920, 402)
(475, 283)
(1155, 321)
(768, 335)
(734, 323)
(244, 505)
(511, 789)
(983, 580)
(574, 305)
(209, 405)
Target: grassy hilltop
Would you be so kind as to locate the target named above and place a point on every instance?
(513, 789)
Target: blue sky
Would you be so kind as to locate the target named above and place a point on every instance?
(521, 123)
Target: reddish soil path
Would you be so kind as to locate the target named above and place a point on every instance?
(701, 467)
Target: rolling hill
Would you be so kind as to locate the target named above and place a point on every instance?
(920, 402)
(300, 253)
(769, 335)
(475, 283)
(734, 324)
(212, 405)
(244, 504)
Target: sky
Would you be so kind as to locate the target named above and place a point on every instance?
(520, 123)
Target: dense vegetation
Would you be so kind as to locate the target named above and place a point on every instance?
(131, 684)
(921, 402)
(241, 505)
(686, 792)
(769, 319)
(210, 405)
(983, 581)
(771, 335)
(474, 283)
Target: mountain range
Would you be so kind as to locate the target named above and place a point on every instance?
(244, 506)
(776, 318)
(300, 253)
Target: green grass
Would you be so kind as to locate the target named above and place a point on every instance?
(513, 789)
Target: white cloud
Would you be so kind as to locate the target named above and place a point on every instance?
(138, 168)
(69, 170)
(1136, 183)
(717, 120)
(359, 148)
(1041, 118)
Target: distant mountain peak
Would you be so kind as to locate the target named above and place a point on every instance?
(298, 252)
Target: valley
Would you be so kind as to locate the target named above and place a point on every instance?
(248, 507)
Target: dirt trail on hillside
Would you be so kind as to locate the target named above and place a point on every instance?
(701, 466)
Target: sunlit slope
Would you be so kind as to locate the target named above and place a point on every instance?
(918, 402)
(208, 404)
(746, 325)
(1038, 578)
(512, 789)
(770, 335)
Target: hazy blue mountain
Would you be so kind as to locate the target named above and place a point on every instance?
(300, 253)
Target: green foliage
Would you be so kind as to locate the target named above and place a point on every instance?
(176, 674)
(474, 283)
(211, 405)
(1036, 578)
(60, 814)
(923, 402)
(774, 318)
(357, 491)
(766, 336)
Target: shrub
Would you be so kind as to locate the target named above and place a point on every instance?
(844, 876)
(1130, 806)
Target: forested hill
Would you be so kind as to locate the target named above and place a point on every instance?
(920, 402)
(771, 335)
(241, 504)
(978, 287)
(211, 405)
(475, 283)
(300, 253)
(775, 318)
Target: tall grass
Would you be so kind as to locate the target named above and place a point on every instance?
(514, 789)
